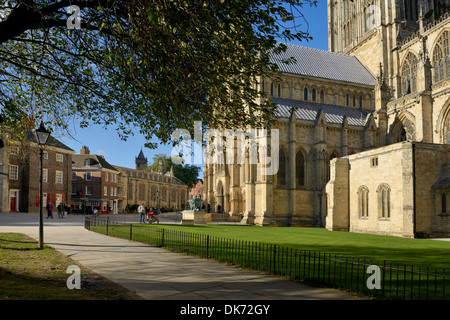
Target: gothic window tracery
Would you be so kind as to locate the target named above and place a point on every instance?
(409, 74)
(441, 58)
(446, 129)
(406, 131)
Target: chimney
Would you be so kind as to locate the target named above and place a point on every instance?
(84, 150)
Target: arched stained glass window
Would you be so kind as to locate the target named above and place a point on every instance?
(441, 58)
(406, 131)
(446, 129)
(409, 74)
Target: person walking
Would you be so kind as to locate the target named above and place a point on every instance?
(60, 209)
(49, 210)
(141, 211)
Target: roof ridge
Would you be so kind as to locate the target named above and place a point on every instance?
(321, 50)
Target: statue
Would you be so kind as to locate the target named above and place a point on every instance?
(194, 204)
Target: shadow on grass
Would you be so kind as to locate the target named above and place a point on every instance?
(9, 244)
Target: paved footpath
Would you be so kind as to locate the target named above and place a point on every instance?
(155, 273)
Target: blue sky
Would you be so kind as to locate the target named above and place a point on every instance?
(123, 153)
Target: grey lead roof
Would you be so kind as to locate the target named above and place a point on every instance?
(323, 64)
(305, 110)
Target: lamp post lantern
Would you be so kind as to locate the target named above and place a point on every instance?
(42, 136)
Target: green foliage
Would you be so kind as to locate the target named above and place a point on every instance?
(150, 66)
(184, 172)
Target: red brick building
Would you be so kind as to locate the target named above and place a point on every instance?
(94, 183)
(20, 169)
(197, 190)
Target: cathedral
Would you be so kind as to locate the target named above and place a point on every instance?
(363, 128)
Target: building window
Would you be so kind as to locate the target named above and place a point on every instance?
(13, 172)
(44, 199)
(314, 95)
(322, 96)
(74, 176)
(106, 176)
(384, 201)
(59, 157)
(374, 162)
(111, 191)
(363, 201)
(406, 131)
(409, 74)
(305, 94)
(74, 190)
(45, 155)
(88, 176)
(141, 192)
(281, 174)
(59, 177)
(441, 58)
(300, 169)
(105, 191)
(44, 175)
(87, 162)
(88, 191)
(14, 151)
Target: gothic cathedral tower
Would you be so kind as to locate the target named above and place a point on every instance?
(373, 30)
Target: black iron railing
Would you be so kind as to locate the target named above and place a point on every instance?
(360, 276)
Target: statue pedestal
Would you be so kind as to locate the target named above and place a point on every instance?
(193, 217)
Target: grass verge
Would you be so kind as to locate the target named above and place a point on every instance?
(27, 273)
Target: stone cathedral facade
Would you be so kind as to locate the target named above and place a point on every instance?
(364, 128)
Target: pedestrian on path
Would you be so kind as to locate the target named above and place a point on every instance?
(60, 210)
(141, 211)
(49, 210)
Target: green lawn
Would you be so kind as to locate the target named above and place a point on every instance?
(27, 273)
(423, 252)
(412, 268)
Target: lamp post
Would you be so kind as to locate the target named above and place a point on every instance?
(42, 136)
